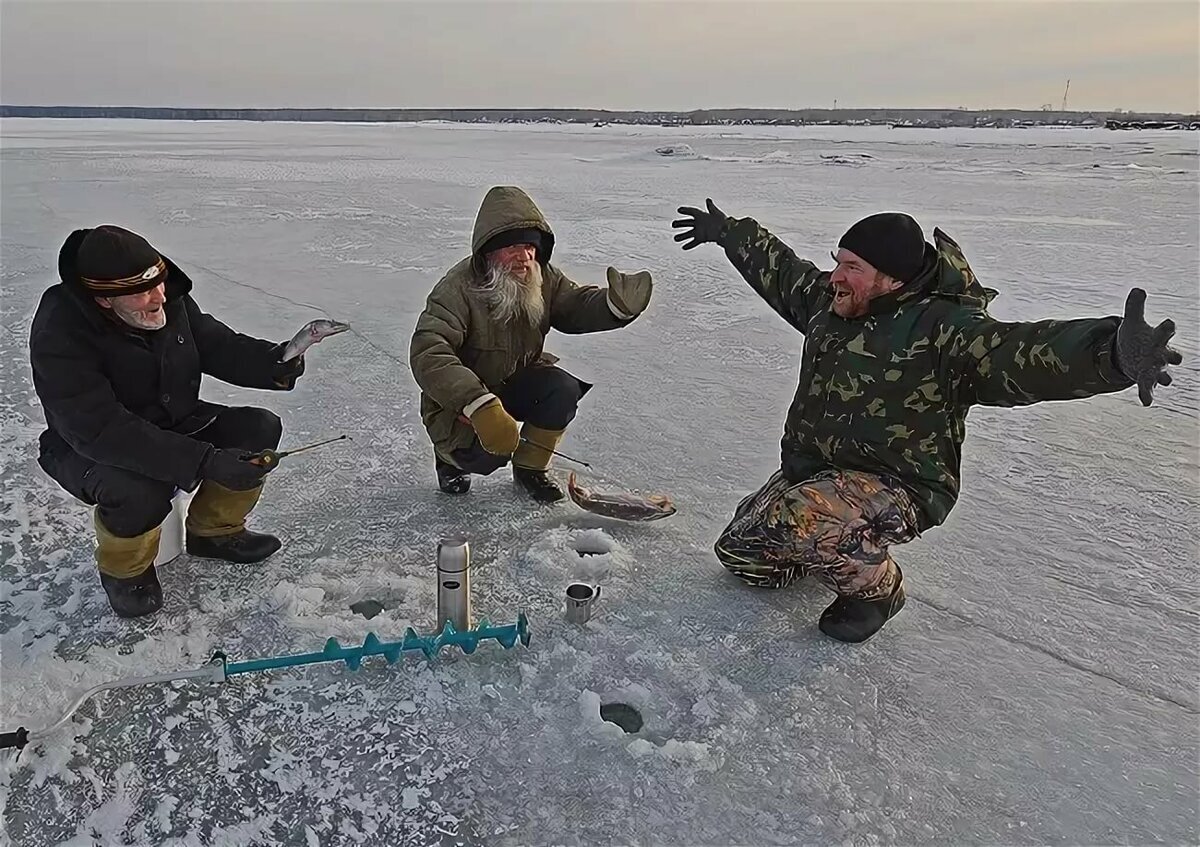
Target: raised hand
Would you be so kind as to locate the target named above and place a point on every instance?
(629, 292)
(700, 227)
(1142, 352)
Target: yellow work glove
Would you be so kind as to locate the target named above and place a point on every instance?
(629, 293)
(497, 431)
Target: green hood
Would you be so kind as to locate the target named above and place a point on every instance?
(948, 275)
(507, 207)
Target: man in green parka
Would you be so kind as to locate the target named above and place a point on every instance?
(478, 354)
(898, 347)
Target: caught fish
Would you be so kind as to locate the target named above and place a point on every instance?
(622, 505)
(310, 334)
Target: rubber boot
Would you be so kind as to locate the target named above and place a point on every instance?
(452, 479)
(127, 570)
(216, 526)
(854, 621)
(531, 462)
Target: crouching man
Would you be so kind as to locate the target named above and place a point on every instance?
(477, 350)
(117, 349)
(899, 347)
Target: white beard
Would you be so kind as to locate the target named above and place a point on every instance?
(510, 297)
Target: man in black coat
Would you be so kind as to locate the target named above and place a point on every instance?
(118, 348)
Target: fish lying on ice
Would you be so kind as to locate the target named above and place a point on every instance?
(310, 334)
(622, 505)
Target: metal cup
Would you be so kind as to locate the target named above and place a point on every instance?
(581, 599)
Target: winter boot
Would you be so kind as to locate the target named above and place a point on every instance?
(127, 570)
(451, 479)
(531, 461)
(135, 596)
(216, 526)
(244, 548)
(852, 620)
(538, 485)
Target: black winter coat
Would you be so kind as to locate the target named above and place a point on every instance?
(129, 398)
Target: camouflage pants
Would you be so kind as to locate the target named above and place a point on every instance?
(835, 527)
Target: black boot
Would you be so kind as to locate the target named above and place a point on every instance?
(244, 547)
(539, 485)
(848, 619)
(133, 596)
(452, 480)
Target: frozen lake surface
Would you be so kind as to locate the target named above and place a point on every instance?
(1039, 688)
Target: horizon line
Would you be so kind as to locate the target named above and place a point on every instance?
(605, 110)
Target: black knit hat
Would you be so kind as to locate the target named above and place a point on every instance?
(891, 241)
(112, 262)
(514, 236)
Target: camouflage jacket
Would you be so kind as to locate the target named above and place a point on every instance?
(888, 393)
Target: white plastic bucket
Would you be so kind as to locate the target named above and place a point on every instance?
(170, 545)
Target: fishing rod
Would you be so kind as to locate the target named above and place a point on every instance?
(555, 452)
(270, 458)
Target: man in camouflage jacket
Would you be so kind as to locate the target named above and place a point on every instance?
(898, 347)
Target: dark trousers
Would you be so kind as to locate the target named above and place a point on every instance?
(130, 504)
(540, 395)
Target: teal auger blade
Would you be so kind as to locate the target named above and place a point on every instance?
(428, 645)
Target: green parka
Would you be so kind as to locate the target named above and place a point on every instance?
(459, 354)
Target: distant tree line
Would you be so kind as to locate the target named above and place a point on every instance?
(703, 117)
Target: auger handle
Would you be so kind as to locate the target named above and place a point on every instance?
(14, 739)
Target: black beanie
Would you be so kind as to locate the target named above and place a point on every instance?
(112, 262)
(891, 241)
(514, 236)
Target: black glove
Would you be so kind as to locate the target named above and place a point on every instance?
(286, 373)
(1142, 352)
(224, 467)
(701, 227)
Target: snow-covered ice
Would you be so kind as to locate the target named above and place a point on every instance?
(1040, 686)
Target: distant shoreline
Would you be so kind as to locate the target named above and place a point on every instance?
(900, 118)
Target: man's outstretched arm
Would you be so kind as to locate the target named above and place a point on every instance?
(1020, 363)
(793, 287)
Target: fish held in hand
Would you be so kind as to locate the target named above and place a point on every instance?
(621, 505)
(310, 334)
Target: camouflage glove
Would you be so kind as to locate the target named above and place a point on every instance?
(629, 293)
(496, 429)
(701, 227)
(1142, 352)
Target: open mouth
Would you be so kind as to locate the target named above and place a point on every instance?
(840, 295)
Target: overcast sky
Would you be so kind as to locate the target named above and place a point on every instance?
(676, 55)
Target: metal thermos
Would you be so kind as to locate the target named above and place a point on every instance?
(454, 583)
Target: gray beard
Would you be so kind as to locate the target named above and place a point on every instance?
(138, 320)
(510, 298)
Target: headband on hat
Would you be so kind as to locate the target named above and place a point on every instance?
(111, 261)
(151, 277)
